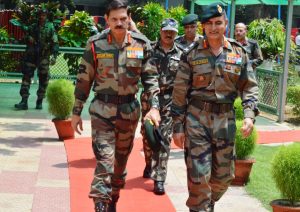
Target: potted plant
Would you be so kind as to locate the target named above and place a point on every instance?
(243, 147)
(60, 97)
(286, 173)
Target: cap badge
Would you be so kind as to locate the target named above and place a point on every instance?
(220, 10)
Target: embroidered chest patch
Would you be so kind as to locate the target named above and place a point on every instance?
(199, 62)
(105, 56)
(135, 52)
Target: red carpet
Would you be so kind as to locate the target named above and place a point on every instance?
(137, 194)
(266, 137)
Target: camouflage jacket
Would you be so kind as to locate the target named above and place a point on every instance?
(45, 41)
(116, 71)
(253, 51)
(183, 43)
(167, 66)
(205, 77)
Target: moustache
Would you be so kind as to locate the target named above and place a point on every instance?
(119, 27)
(168, 37)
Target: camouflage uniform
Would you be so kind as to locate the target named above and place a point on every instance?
(204, 91)
(253, 51)
(167, 66)
(183, 43)
(37, 55)
(114, 111)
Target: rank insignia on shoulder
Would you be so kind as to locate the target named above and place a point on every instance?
(233, 58)
(105, 56)
(199, 62)
(135, 52)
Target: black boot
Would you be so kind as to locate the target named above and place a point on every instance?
(159, 188)
(147, 172)
(39, 104)
(23, 105)
(101, 207)
(112, 206)
(211, 207)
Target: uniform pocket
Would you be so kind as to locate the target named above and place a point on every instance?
(134, 66)
(105, 66)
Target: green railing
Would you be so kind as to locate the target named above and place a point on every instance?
(11, 56)
(269, 83)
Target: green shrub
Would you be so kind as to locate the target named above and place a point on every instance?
(178, 14)
(293, 97)
(75, 33)
(60, 97)
(153, 14)
(286, 172)
(239, 111)
(244, 146)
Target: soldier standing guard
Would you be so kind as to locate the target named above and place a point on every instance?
(42, 42)
(250, 45)
(113, 63)
(166, 57)
(189, 23)
(210, 75)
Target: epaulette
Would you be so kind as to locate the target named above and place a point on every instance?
(141, 37)
(231, 40)
(179, 46)
(102, 35)
(192, 46)
(252, 41)
(178, 38)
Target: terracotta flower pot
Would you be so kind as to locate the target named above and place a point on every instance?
(64, 129)
(242, 171)
(283, 205)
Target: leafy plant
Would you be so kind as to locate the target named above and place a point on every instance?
(244, 146)
(75, 33)
(4, 37)
(178, 14)
(270, 35)
(293, 97)
(152, 15)
(239, 112)
(7, 62)
(60, 97)
(286, 172)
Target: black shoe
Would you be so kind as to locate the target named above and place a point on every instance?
(112, 206)
(147, 172)
(159, 188)
(101, 207)
(39, 104)
(211, 207)
(22, 105)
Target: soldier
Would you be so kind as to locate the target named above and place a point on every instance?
(114, 62)
(166, 56)
(210, 74)
(251, 46)
(189, 23)
(41, 42)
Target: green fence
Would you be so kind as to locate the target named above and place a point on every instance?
(11, 57)
(269, 83)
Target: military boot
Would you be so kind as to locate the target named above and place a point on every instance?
(147, 172)
(112, 206)
(101, 207)
(159, 188)
(23, 105)
(39, 104)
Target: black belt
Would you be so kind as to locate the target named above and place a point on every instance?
(166, 91)
(116, 99)
(213, 107)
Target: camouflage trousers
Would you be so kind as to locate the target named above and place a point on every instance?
(29, 66)
(113, 130)
(158, 160)
(209, 156)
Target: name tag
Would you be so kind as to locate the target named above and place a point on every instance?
(200, 62)
(233, 58)
(105, 56)
(135, 52)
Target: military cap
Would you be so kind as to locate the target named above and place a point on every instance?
(169, 24)
(189, 19)
(153, 135)
(211, 11)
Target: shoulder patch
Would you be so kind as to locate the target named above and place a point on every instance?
(102, 35)
(252, 41)
(141, 37)
(234, 42)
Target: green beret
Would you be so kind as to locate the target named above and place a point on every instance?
(153, 136)
(211, 11)
(189, 19)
